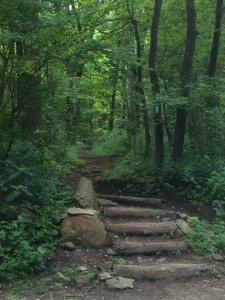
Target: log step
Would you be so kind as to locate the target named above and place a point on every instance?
(149, 247)
(136, 212)
(171, 271)
(142, 228)
(129, 199)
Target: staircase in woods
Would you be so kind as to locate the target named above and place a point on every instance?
(147, 243)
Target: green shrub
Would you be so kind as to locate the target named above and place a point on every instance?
(199, 237)
(111, 143)
(32, 199)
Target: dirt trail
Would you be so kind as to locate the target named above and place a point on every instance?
(209, 288)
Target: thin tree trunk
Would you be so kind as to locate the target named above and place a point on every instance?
(140, 90)
(216, 39)
(159, 147)
(186, 72)
(113, 98)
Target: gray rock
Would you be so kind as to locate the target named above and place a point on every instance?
(104, 276)
(82, 268)
(120, 283)
(183, 216)
(82, 211)
(139, 259)
(69, 246)
(218, 257)
(85, 194)
(161, 260)
(84, 279)
(183, 226)
(121, 261)
(107, 203)
(110, 251)
(61, 277)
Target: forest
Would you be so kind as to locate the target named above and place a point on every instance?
(142, 81)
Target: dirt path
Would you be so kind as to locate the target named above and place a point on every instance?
(43, 287)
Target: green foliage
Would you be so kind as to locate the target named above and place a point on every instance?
(206, 238)
(216, 190)
(199, 237)
(32, 199)
(111, 144)
(27, 242)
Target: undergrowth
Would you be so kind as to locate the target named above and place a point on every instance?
(198, 180)
(32, 197)
(207, 238)
(111, 144)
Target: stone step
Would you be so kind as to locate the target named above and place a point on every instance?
(170, 271)
(131, 200)
(142, 228)
(149, 247)
(125, 211)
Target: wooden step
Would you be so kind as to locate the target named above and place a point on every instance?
(142, 228)
(129, 199)
(171, 271)
(125, 211)
(149, 247)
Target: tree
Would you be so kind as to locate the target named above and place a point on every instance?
(186, 73)
(159, 147)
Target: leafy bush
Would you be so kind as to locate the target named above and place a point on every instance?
(206, 238)
(216, 191)
(32, 199)
(110, 144)
(199, 237)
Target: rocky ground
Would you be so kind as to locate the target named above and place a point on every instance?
(79, 273)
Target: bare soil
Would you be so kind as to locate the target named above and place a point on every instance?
(42, 286)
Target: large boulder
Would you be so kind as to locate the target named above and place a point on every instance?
(85, 194)
(86, 230)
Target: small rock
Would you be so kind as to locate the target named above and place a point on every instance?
(121, 261)
(82, 269)
(110, 251)
(82, 211)
(62, 277)
(120, 283)
(161, 260)
(104, 276)
(183, 216)
(218, 257)
(150, 259)
(108, 265)
(107, 203)
(84, 279)
(183, 226)
(178, 233)
(69, 246)
(218, 275)
(139, 259)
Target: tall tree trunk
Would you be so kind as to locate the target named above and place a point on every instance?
(186, 72)
(29, 95)
(132, 107)
(212, 134)
(159, 147)
(74, 70)
(115, 77)
(216, 39)
(140, 90)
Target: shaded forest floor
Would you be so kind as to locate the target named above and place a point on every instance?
(42, 286)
